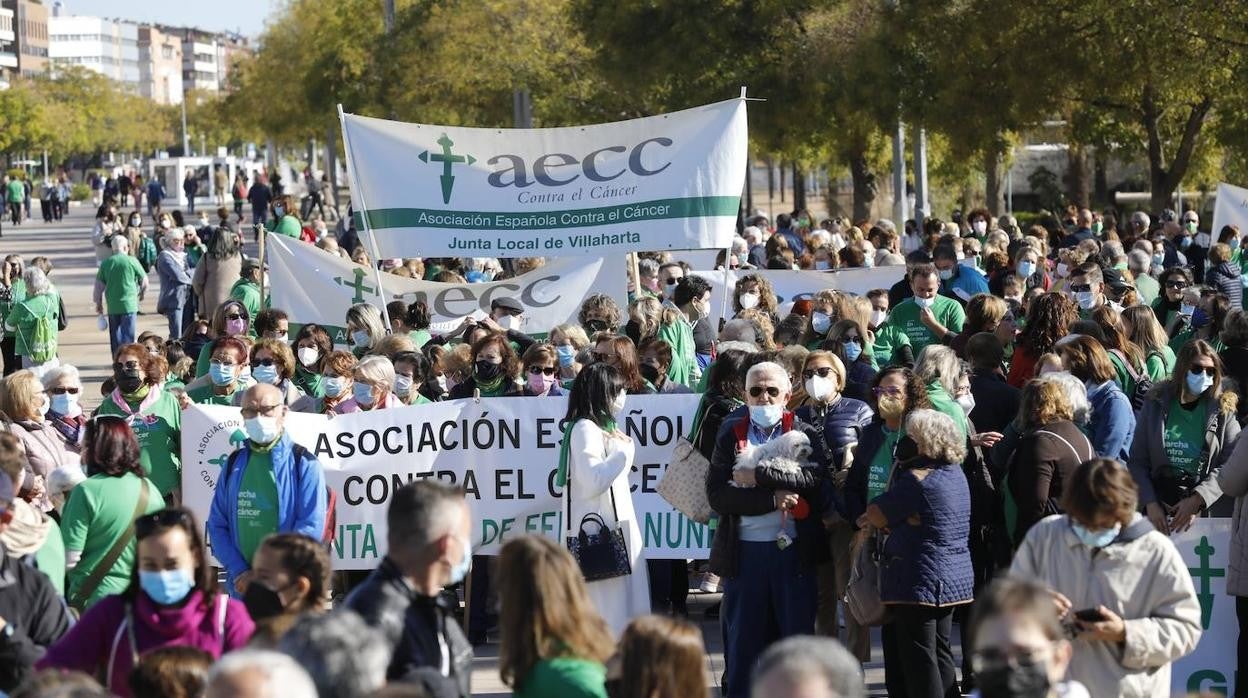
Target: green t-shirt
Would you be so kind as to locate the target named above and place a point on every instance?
(882, 464)
(257, 503)
(565, 677)
(679, 336)
(421, 400)
(25, 314)
(1177, 342)
(420, 337)
(1183, 435)
(159, 432)
(905, 318)
(17, 191)
(287, 225)
(1159, 366)
(1147, 288)
(248, 294)
(310, 382)
(204, 395)
(1122, 376)
(122, 276)
(98, 511)
(888, 339)
(50, 557)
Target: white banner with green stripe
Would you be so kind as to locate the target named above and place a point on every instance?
(663, 182)
(312, 285)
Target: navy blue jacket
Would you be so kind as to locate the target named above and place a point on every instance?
(1225, 278)
(926, 559)
(839, 424)
(858, 379)
(795, 241)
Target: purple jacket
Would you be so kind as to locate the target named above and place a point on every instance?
(100, 634)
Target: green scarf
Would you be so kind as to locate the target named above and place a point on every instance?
(138, 395)
(561, 477)
(492, 389)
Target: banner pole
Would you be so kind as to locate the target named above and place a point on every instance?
(357, 188)
(260, 241)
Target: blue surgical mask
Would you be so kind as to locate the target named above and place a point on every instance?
(945, 274)
(363, 393)
(279, 211)
(64, 403)
(766, 416)
(334, 386)
(265, 374)
(1187, 309)
(1198, 383)
(1234, 243)
(1185, 242)
(1159, 258)
(820, 322)
(167, 587)
(567, 354)
(1095, 538)
(221, 374)
(852, 351)
(1085, 299)
(924, 302)
(460, 571)
(262, 430)
(361, 338)
(1026, 269)
(403, 386)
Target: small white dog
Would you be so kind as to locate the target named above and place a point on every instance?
(789, 453)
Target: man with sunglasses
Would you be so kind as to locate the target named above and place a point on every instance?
(1087, 282)
(32, 616)
(770, 537)
(270, 485)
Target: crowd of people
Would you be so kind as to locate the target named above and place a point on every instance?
(1012, 432)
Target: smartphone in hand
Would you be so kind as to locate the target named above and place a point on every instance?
(1090, 615)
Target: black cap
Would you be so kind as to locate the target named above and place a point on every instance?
(507, 303)
(251, 263)
(1114, 280)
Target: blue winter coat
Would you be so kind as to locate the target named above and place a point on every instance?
(1112, 426)
(301, 502)
(927, 563)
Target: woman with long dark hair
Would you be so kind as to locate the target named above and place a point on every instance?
(172, 601)
(594, 465)
(1048, 319)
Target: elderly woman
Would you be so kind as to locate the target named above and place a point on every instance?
(364, 328)
(926, 566)
(939, 369)
(227, 357)
(272, 362)
(372, 386)
(34, 322)
(1133, 610)
(175, 281)
(495, 370)
(152, 413)
(337, 370)
(23, 401)
(1183, 436)
(1049, 450)
(63, 387)
(655, 358)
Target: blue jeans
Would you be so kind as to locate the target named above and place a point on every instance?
(769, 599)
(122, 330)
(177, 318)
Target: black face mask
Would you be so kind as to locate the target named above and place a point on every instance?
(262, 602)
(595, 326)
(650, 373)
(487, 371)
(128, 380)
(1029, 681)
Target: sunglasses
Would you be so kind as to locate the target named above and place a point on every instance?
(234, 316)
(145, 525)
(538, 370)
(1176, 284)
(758, 390)
(129, 365)
(63, 391)
(1207, 370)
(823, 372)
(1080, 288)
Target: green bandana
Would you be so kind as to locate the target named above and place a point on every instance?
(138, 395)
(561, 477)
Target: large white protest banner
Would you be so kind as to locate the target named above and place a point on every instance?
(663, 182)
(503, 451)
(796, 285)
(1211, 668)
(315, 286)
(1231, 208)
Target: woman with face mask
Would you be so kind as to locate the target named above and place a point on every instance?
(594, 465)
(372, 386)
(1107, 570)
(655, 358)
(229, 356)
(364, 328)
(285, 220)
(63, 387)
(272, 362)
(568, 339)
(24, 402)
(755, 291)
(495, 370)
(541, 371)
(335, 380)
(172, 600)
(848, 342)
(411, 369)
(290, 577)
(840, 420)
(1182, 437)
(174, 271)
(230, 319)
(312, 346)
(152, 412)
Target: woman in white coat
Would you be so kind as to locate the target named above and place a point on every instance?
(594, 470)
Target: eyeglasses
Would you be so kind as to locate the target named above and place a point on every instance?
(266, 410)
(233, 316)
(1176, 284)
(822, 372)
(538, 370)
(63, 391)
(758, 390)
(886, 390)
(145, 525)
(1207, 370)
(1080, 288)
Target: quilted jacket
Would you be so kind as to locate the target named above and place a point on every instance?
(926, 559)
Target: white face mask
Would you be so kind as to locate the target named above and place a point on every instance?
(820, 388)
(402, 386)
(308, 355)
(980, 227)
(924, 302)
(878, 317)
(617, 405)
(966, 402)
(748, 300)
(509, 322)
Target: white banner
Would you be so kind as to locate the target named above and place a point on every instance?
(315, 286)
(663, 182)
(1210, 669)
(503, 451)
(796, 285)
(1231, 208)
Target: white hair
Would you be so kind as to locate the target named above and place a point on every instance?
(36, 281)
(281, 675)
(752, 234)
(801, 658)
(940, 363)
(1138, 261)
(120, 245)
(739, 245)
(769, 369)
(936, 436)
(376, 369)
(746, 347)
(819, 238)
(344, 655)
(68, 371)
(886, 224)
(738, 330)
(1076, 391)
(1140, 216)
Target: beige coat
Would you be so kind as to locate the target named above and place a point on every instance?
(213, 280)
(1233, 479)
(1145, 582)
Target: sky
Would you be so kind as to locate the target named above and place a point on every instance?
(246, 16)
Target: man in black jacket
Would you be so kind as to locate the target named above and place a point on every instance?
(429, 549)
(32, 616)
(770, 536)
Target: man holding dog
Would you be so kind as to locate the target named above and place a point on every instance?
(770, 536)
